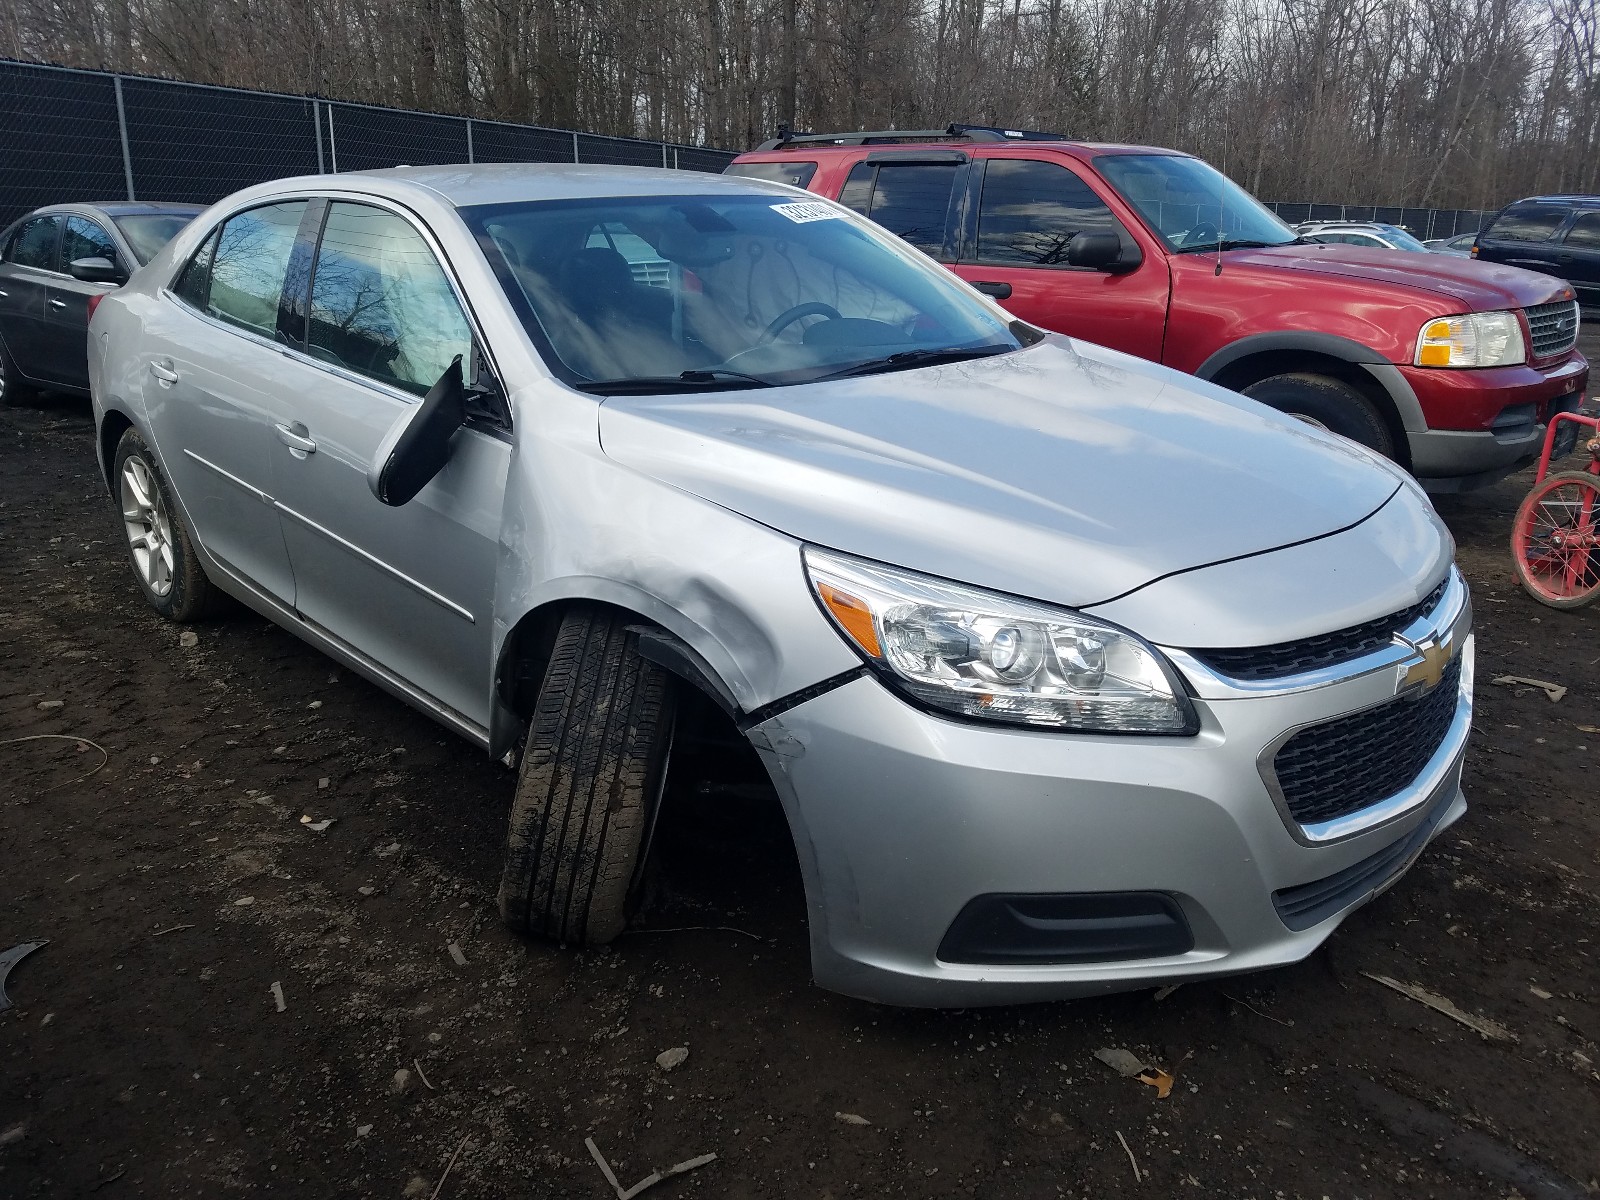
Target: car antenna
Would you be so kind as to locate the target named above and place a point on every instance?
(1222, 221)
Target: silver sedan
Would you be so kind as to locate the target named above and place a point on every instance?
(1072, 673)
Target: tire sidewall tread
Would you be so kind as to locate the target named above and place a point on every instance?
(595, 748)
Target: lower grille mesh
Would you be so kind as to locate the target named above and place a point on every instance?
(1342, 766)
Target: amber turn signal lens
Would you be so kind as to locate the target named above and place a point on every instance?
(854, 617)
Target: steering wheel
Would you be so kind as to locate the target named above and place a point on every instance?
(789, 316)
(1203, 234)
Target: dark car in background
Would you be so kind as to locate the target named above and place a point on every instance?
(1459, 246)
(54, 263)
(1558, 235)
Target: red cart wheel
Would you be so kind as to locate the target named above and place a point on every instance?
(1555, 540)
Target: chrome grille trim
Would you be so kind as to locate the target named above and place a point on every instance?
(1552, 328)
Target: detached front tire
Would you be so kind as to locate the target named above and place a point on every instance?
(1330, 403)
(159, 543)
(590, 782)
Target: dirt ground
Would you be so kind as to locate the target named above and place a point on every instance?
(147, 1055)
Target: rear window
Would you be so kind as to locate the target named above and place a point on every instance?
(909, 199)
(148, 232)
(1526, 223)
(795, 174)
(248, 265)
(34, 245)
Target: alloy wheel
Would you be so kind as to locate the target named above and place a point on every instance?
(149, 529)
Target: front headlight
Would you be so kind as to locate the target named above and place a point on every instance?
(995, 657)
(1487, 339)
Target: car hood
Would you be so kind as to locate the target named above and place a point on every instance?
(1476, 286)
(1065, 472)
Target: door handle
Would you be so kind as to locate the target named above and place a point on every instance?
(4, 294)
(1000, 291)
(295, 436)
(163, 371)
(54, 303)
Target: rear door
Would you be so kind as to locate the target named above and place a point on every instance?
(1579, 256)
(1526, 235)
(26, 272)
(412, 587)
(1021, 216)
(218, 374)
(67, 299)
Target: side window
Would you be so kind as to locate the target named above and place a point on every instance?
(34, 245)
(795, 174)
(857, 192)
(1526, 223)
(914, 202)
(248, 266)
(194, 281)
(1585, 232)
(1031, 210)
(381, 303)
(83, 238)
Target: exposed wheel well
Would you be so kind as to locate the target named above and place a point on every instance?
(1253, 368)
(712, 760)
(112, 428)
(525, 656)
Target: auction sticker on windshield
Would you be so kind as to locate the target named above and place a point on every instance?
(802, 211)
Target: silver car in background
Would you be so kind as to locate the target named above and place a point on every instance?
(1073, 674)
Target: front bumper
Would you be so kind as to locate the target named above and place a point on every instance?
(1483, 425)
(902, 818)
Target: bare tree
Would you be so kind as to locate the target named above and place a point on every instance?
(1449, 102)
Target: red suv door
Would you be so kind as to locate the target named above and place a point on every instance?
(1022, 213)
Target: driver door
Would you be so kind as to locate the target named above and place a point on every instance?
(1024, 213)
(411, 588)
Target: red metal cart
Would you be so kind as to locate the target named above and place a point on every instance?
(1555, 540)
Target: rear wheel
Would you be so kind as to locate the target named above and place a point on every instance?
(1555, 540)
(590, 783)
(159, 544)
(1328, 403)
(13, 390)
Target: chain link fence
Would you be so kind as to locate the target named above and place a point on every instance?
(68, 135)
(1424, 223)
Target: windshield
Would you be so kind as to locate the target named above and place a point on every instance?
(1191, 204)
(1400, 239)
(149, 232)
(673, 293)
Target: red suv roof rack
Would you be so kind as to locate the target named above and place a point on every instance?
(888, 137)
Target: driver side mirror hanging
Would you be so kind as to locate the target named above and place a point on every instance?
(417, 447)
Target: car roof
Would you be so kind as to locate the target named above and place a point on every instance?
(465, 185)
(1587, 201)
(125, 208)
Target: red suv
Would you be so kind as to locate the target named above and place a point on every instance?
(1449, 366)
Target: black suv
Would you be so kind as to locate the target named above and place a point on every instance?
(1559, 235)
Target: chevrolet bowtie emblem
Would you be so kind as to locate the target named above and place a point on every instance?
(1426, 670)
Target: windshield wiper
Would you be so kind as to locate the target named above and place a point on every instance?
(1236, 244)
(913, 358)
(704, 379)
